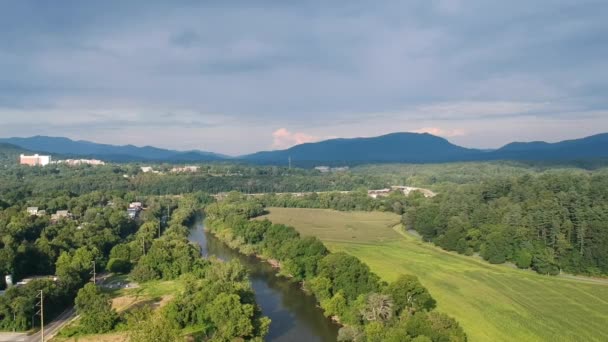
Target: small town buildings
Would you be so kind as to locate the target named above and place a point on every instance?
(35, 160)
(146, 169)
(325, 169)
(185, 169)
(76, 162)
(33, 211)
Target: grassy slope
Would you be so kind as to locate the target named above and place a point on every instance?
(492, 302)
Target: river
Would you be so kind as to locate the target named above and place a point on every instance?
(294, 314)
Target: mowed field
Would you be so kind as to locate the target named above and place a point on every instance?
(492, 302)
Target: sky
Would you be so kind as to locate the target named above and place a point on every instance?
(241, 76)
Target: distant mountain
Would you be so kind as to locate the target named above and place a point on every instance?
(390, 148)
(124, 153)
(595, 146)
(395, 147)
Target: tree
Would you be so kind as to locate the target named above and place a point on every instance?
(409, 295)
(336, 306)
(349, 274)
(95, 310)
(145, 326)
(379, 308)
(119, 266)
(231, 318)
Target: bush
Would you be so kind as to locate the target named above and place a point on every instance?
(119, 266)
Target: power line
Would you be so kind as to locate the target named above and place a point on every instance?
(40, 312)
(94, 273)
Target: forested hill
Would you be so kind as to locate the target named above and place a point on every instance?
(426, 148)
(595, 146)
(124, 153)
(9, 154)
(395, 147)
(391, 148)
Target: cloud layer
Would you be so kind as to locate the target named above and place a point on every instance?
(223, 76)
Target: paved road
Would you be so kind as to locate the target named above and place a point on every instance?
(51, 329)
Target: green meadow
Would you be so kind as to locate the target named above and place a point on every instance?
(492, 302)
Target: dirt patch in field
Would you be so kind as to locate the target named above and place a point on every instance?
(165, 300)
(123, 303)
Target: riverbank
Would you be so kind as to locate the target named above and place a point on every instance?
(342, 284)
(294, 314)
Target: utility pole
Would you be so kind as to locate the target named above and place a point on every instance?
(94, 274)
(41, 313)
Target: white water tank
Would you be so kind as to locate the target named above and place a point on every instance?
(8, 280)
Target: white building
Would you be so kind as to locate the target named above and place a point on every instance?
(35, 160)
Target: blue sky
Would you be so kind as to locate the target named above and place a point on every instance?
(241, 76)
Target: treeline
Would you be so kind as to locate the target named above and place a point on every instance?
(550, 222)
(356, 200)
(20, 182)
(369, 309)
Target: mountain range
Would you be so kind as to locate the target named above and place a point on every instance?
(390, 148)
(81, 148)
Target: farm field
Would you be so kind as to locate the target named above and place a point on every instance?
(492, 302)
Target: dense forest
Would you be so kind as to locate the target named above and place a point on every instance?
(552, 221)
(57, 256)
(18, 182)
(369, 309)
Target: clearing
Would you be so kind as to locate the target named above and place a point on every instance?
(492, 302)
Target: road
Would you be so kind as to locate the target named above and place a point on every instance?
(51, 329)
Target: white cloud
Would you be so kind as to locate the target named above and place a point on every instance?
(447, 133)
(283, 138)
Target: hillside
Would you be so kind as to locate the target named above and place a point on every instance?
(595, 146)
(123, 153)
(391, 148)
(395, 147)
(9, 154)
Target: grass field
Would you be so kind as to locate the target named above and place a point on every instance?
(492, 302)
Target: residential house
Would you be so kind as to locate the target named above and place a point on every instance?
(32, 211)
(60, 214)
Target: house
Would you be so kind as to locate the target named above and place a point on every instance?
(322, 169)
(32, 211)
(407, 190)
(41, 213)
(378, 193)
(35, 160)
(146, 169)
(137, 205)
(133, 212)
(60, 214)
(134, 209)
